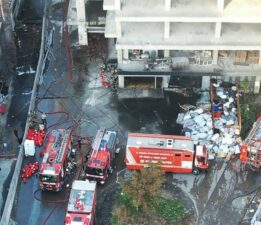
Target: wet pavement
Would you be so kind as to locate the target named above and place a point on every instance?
(20, 78)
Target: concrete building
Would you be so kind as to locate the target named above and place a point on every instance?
(165, 38)
(86, 16)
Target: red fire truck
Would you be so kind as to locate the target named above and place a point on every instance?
(251, 149)
(173, 153)
(99, 163)
(58, 160)
(82, 203)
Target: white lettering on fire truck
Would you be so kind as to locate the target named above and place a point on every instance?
(153, 153)
(153, 157)
(156, 161)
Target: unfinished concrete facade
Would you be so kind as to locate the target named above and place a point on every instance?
(86, 16)
(204, 36)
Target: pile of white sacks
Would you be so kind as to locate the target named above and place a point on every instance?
(220, 138)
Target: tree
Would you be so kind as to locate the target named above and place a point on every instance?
(143, 186)
(138, 194)
(140, 202)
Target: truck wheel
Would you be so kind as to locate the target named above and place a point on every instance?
(195, 171)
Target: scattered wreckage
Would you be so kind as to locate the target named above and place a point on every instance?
(216, 121)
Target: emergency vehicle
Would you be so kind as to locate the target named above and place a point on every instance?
(82, 203)
(99, 163)
(172, 153)
(58, 160)
(250, 153)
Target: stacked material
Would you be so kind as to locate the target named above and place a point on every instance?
(219, 133)
(197, 124)
(220, 141)
(241, 56)
(253, 57)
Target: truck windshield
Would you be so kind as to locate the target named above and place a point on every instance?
(94, 171)
(48, 178)
(202, 159)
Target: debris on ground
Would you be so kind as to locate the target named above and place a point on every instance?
(29, 170)
(226, 117)
(219, 129)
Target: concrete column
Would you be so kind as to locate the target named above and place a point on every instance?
(205, 82)
(118, 29)
(126, 54)
(81, 18)
(257, 84)
(166, 30)
(259, 57)
(165, 81)
(220, 5)
(121, 81)
(166, 53)
(118, 4)
(218, 29)
(215, 56)
(119, 56)
(167, 4)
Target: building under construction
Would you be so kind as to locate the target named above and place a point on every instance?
(156, 40)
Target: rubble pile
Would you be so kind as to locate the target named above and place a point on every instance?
(225, 118)
(197, 124)
(219, 129)
(220, 141)
(225, 106)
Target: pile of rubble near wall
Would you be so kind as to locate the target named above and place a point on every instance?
(219, 132)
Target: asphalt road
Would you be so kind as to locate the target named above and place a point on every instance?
(95, 106)
(84, 99)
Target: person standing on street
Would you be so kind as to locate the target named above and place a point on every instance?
(19, 139)
(43, 116)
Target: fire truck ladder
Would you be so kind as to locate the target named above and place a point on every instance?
(97, 142)
(253, 140)
(62, 149)
(256, 130)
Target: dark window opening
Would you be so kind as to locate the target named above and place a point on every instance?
(139, 82)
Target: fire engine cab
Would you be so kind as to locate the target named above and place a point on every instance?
(173, 153)
(99, 163)
(58, 160)
(250, 153)
(82, 203)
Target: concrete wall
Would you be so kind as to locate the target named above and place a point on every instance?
(216, 26)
